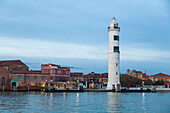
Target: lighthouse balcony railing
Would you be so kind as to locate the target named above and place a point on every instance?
(113, 27)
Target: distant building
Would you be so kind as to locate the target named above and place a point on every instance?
(161, 77)
(136, 74)
(34, 80)
(94, 80)
(6, 68)
(57, 72)
(15, 74)
(76, 76)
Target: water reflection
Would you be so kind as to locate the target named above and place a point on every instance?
(64, 95)
(113, 102)
(143, 102)
(77, 98)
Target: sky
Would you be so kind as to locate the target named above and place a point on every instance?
(74, 33)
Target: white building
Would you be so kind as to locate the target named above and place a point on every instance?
(114, 56)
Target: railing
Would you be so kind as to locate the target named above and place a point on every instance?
(114, 27)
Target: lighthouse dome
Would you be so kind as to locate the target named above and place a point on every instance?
(114, 19)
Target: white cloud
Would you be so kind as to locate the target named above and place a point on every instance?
(136, 53)
(20, 47)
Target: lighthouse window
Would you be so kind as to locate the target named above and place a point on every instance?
(116, 48)
(116, 64)
(116, 37)
(115, 25)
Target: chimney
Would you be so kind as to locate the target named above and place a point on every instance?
(145, 72)
(128, 72)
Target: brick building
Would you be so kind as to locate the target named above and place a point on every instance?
(33, 80)
(15, 74)
(136, 74)
(13, 65)
(57, 73)
(6, 68)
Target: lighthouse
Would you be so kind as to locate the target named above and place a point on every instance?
(114, 56)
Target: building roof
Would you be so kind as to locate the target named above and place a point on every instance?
(160, 75)
(10, 62)
(96, 75)
(139, 72)
(76, 74)
(134, 71)
(29, 72)
(50, 66)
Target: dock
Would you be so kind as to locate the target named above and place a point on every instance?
(97, 90)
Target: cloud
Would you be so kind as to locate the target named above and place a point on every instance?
(145, 53)
(33, 48)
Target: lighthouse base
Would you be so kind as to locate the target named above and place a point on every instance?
(116, 87)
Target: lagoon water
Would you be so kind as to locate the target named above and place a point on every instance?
(92, 102)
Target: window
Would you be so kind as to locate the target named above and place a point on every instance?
(35, 77)
(3, 81)
(62, 72)
(54, 71)
(19, 77)
(168, 80)
(42, 71)
(116, 37)
(115, 25)
(51, 71)
(156, 79)
(116, 73)
(43, 77)
(67, 72)
(58, 72)
(116, 48)
(27, 77)
(116, 64)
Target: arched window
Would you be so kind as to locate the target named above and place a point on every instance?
(3, 81)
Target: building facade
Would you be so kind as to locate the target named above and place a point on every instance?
(160, 77)
(57, 72)
(137, 74)
(114, 56)
(6, 68)
(30, 80)
(95, 80)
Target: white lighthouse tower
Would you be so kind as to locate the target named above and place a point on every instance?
(114, 56)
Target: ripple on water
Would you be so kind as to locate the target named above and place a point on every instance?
(84, 102)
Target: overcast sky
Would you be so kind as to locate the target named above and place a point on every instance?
(74, 33)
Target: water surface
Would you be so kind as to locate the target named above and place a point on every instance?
(98, 102)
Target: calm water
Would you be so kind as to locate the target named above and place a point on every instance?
(84, 102)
